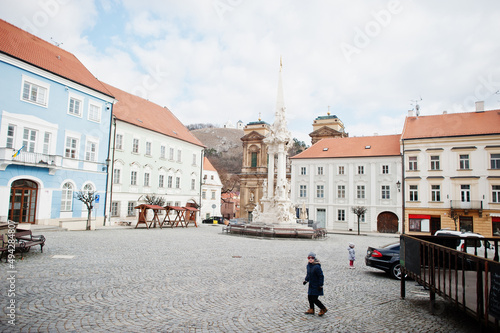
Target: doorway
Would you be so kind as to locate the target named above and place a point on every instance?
(387, 222)
(22, 205)
(321, 218)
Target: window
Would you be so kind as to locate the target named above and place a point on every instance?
(71, 150)
(35, 93)
(435, 163)
(495, 161)
(413, 192)
(464, 162)
(303, 191)
(130, 208)
(161, 181)
(360, 192)
(177, 182)
(75, 107)
(254, 160)
(341, 215)
(194, 159)
(320, 191)
(435, 193)
(171, 154)
(115, 208)
(11, 129)
(204, 194)
(341, 169)
(193, 184)
(119, 141)
(169, 182)
(415, 224)
(163, 151)
(116, 176)
(495, 195)
(465, 193)
(412, 163)
(146, 179)
(178, 203)
(386, 192)
(67, 197)
(91, 151)
(148, 148)
(361, 170)
(179, 155)
(135, 146)
(341, 191)
(385, 169)
(303, 171)
(88, 188)
(94, 112)
(29, 140)
(46, 143)
(133, 177)
(213, 195)
(320, 170)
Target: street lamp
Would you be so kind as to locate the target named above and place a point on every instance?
(398, 184)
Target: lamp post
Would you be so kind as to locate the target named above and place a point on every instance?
(398, 184)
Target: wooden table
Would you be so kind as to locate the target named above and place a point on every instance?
(143, 215)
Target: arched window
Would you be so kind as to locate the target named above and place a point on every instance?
(67, 197)
(88, 188)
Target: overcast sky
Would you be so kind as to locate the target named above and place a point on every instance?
(218, 60)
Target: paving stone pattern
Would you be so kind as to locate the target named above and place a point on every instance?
(201, 280)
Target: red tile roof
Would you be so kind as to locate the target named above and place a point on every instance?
(207, 165)
(379, 145)
(143, 113)
(452, 124)
(28, 48)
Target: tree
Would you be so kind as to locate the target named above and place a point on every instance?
(88, 198)
(359, 210)
(297, 147)
(153, 200)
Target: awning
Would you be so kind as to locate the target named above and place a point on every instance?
(495, 219)
(417, 216)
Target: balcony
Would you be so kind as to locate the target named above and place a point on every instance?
(466, 206)
(52, 162)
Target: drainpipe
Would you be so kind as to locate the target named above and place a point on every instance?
(201, 180)
(112, 169)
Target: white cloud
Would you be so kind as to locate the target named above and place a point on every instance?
(213, 61)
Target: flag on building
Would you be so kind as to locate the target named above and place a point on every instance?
(17, 152)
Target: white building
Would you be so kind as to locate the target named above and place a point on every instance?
(336, 174)
(152, 153)
(211, 187)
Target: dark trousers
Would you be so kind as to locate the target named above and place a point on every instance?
(313, 299)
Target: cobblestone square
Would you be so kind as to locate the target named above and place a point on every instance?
(201, 280)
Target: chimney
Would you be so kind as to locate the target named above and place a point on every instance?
(411, 113)
(445, 112)
(480, 106)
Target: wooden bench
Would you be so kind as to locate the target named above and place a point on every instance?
(25, 240)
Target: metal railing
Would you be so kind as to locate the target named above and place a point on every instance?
(470, 282)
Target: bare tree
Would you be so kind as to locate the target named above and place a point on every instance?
(153, 200)
(88, 198)
(359, 210)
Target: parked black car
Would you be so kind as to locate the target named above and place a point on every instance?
(214, 220)
(385, 258)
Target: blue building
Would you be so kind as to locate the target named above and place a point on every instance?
(55, 121)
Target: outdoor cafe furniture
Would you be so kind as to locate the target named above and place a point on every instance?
(143, 215)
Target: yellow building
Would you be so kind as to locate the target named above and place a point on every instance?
(452, 172)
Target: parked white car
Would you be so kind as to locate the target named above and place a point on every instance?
(470, 244)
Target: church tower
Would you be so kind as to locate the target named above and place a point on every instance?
(254, 169)
(329, 126)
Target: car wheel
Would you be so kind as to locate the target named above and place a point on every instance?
(395, 271)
